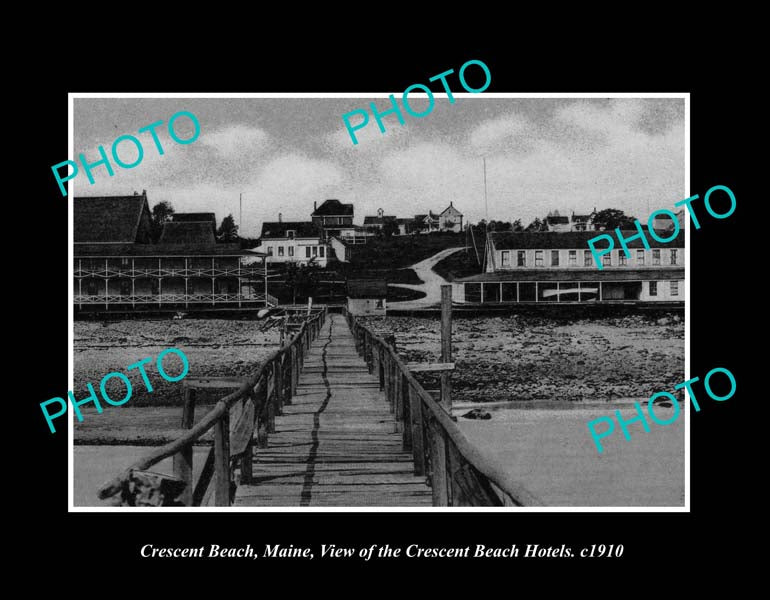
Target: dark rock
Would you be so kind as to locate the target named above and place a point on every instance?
(477, 413)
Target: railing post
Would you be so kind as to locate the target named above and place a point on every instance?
(418, 443)
(446, 345)
(260, 399)
(381, 370)
(438, 464)
(406, 412)
(278, 386)
(183, 461)
(293, 365)
(222, 461)
(270, 400)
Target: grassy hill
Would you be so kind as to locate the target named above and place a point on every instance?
(401, 251)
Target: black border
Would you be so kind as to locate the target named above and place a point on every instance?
(112, 542)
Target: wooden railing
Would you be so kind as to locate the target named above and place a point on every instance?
(459, 473)
(234, 420)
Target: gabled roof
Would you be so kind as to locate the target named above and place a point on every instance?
(419, 217)
(378, 220)
(278, 229)
(155, 250)
(452, 208)
(367, 288)
(199, 233)
(334, 208)
(108, 219)
(556, 220)
(572, 240)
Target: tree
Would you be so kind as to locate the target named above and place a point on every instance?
(610, 218)
(537, 225)
(389, 227)
(228, 230)
(517, 226)
(161, 213)
(302, 280)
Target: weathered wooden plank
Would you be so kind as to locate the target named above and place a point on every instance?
(446, 345)
(438, 465)
(183, 461)
(215, 382)
(222, 462)
(430, 367)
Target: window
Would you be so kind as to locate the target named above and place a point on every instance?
(379, 303)
(622, 258)
(587, 258)
(640, 257)
(521, 259)
(538, 258)
(573, 258)
(656, 257)
(291, 250)
(269, 250)
(653, 288)
(506, 258)
(307, 251)
(321, 251)
(290, 233)
(554, 258)
(674, 288)
(673, 256)
(607, 259)
(91, 287)
(280, 250)
(124, 262)
(315, 250)
(125, 288)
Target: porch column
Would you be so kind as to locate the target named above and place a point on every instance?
(106, 286)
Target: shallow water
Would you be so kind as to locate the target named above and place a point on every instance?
(552, 453)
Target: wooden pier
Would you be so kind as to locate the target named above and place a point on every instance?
(337, 443)
(333, 417)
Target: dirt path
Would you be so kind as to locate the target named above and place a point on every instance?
(431, 282)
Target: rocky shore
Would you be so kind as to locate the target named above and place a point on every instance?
(523, 357)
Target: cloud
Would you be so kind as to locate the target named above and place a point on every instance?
(498, 134)
(236, 140)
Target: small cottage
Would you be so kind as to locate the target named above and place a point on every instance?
(367, 297)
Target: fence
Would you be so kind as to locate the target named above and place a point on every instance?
(234, 419)
(457, 471)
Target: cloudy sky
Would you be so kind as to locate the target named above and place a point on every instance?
(285, 153)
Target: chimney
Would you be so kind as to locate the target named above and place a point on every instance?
(144, 193)
(136, 193)
(380, 212)
(315, 205)
(280, 217)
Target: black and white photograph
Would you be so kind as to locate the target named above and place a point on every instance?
(363, 302)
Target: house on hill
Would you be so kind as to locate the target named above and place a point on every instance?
(333, 218)
(556, 222)
(379, 221)
(581, 222)
(118, 268)
(450, 219)
(297, 242)
(559, 267)
(367, 297)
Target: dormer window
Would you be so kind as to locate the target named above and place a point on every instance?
(290, 233)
